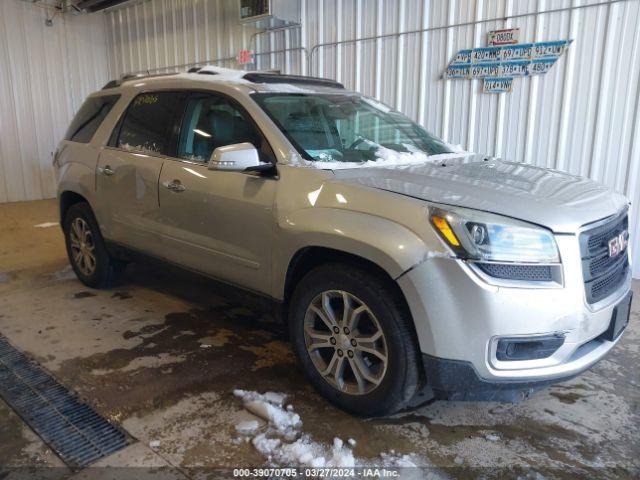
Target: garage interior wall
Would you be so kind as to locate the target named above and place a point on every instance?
(582, 117)
(45, 74)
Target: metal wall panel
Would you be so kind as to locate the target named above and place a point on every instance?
(45, 74)
(582, 117)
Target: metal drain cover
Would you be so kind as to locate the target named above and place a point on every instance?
(72, 429)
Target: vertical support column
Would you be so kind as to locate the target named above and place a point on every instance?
(320, 32)
(422, 80)
(358, 47)
(304, 54)
(446, 104)
(338, 56)
(534, 87)
(567, 94)
(502, 101)
(475, 83)
(400, 55)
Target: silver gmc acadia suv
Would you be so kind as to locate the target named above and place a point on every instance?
(400, 263)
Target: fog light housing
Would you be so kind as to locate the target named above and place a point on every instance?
(528, 348)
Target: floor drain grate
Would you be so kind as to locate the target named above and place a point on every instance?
(71, 428)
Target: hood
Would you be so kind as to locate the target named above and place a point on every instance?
(546, 197)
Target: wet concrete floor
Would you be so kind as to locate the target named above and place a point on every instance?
(161, 354)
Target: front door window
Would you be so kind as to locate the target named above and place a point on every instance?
(213, 121)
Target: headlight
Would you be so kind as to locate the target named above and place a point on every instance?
(487, 237)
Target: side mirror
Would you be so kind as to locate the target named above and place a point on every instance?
(234, 158)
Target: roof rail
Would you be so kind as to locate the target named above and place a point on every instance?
(257, 77)
(132, 76)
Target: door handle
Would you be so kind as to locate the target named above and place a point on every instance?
(106, 170)
(174, 186)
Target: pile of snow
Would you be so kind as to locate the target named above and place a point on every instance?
(269, 408)
(386, 158)
(283, 444)
(284, 88)
(226, 72)
(303, 452)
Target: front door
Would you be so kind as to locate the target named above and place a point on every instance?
(129, 170)
(219, 223)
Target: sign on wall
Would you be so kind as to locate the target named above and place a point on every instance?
(505, 59)
(506, 36)
(497, 84)
(245, 57)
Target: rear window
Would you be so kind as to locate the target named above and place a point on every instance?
(150, 122)
(90, 116)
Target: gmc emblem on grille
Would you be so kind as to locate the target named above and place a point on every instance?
(618, 244)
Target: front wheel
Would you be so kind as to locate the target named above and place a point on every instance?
(351, 332)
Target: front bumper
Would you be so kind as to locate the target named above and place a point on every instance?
(458, 380)
(459, 319)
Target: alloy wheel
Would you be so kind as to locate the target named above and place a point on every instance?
(345, 342)
(82, 246)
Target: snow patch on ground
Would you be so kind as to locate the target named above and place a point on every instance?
(393, 459)
(247, 426)
(304, 452)
(283, 443)
(66, 273)
(46, 225)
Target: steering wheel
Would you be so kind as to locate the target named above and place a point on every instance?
(356, 142)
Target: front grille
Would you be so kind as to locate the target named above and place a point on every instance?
(507, 271)
(603, 274)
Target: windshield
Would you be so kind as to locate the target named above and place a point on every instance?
(349, 128)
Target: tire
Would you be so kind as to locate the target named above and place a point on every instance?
(380, 307)
(104, 271)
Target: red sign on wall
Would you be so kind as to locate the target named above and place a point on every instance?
(244, 57)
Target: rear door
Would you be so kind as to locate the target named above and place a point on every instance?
(129, 169)
(220, 223)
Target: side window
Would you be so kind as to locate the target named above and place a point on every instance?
(213, 121)
(149, 123)
(90, 116)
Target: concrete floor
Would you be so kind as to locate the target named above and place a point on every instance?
(161, 354)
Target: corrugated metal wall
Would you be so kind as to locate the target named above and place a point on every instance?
(582, 117)
(45, 73)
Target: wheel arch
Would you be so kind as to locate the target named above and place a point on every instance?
(308, 258)
(68, 198)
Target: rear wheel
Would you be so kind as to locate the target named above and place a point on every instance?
(351, 332)
(86, 249)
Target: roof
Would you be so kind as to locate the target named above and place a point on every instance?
(257, 81)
